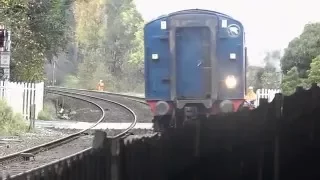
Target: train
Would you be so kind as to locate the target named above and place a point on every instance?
(195, 66)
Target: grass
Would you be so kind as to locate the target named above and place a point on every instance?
(48, 111)
(11, 123)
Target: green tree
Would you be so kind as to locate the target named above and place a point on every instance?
(109, 39)
(254, 75)
(271, 79)
(38, 33)
(314, 73)
(290, 81)
(302, 50)
(271, 76)
(90, 35)
(124, 35)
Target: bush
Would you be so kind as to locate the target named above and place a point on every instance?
(71, 81)
(10, 122)
(48, 111)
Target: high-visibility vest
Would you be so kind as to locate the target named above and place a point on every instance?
(251, 96)
(100, 86)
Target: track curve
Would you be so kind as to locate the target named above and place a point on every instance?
(43, 149)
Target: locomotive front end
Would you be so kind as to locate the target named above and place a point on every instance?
(194, 65)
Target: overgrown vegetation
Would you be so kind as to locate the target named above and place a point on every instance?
(10, 122)
(48, 112)
(301, 62)
(87, 40)
(268, 76)
(110, 45)
(39, 32)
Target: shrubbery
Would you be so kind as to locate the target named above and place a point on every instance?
(10, 122)
(48, 111)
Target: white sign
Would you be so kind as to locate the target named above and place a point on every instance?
(163, 24)
(5, 59)
(155, 56)
(233, 56)
(224, 23)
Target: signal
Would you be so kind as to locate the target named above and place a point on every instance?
(4, 53)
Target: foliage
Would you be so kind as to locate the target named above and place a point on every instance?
(122, 36)
(71, 81)
(89, 24)
(302, 50)
(109, 37)
(48, 111)
(271, 77)
(254, 77)
(10, 123)
(291, 80)
(38, 33)
(314, 73)
(267, 76)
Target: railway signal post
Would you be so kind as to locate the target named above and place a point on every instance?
(5, 54)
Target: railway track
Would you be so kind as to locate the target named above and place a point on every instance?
(137, 104)
(16, 164)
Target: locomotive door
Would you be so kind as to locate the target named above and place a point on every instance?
(193, 63)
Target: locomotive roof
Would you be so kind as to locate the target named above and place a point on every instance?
(191, 11)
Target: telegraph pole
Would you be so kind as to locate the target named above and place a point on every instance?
(5, 54)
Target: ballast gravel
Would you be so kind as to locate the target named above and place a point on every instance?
(48, 156)
(13, 144)
(141, 110)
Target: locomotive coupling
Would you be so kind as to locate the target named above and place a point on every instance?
(190, 112)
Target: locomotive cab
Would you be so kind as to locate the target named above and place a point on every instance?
(194, 65)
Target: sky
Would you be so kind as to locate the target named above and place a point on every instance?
(269, 24)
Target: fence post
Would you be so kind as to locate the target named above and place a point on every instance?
(32, 116)
(115, 159)
(278, 113)
(100, 147)
(263, 102)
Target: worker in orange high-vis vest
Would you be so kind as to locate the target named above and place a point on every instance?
(100, 86)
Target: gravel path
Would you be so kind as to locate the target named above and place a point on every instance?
(25, 141)
(51, 155)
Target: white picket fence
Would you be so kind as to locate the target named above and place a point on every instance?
(266, 93)
(20, 96)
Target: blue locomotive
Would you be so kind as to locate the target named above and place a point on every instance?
(195, 65)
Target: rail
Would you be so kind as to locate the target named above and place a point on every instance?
(110, 101)
(53, 143)
(104, 92)
(71, 137)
